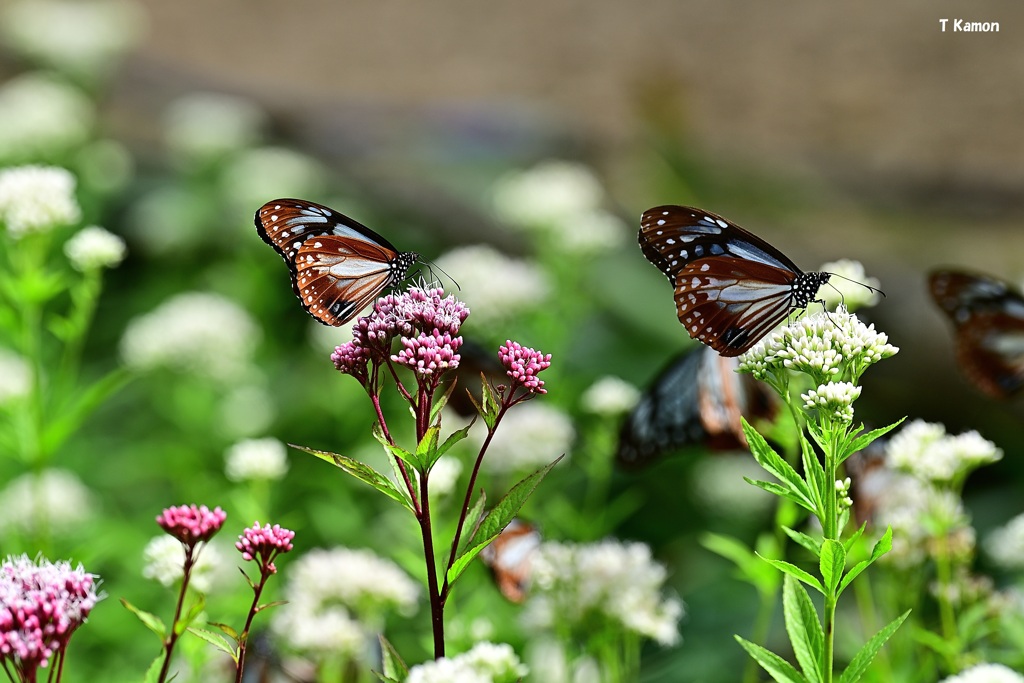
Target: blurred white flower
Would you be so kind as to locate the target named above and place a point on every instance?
(840, 290)
(37, 199)
(256, 459)
(444, 475)
(986, 673)
(41, 116)
(15, 376)
(529, 437)
(54, 500)
(83, 37)
(256, 176)
(548, 655)
(246, 410)
(165, 220)
(718, 483)
(197, 332)
(1005, 545)
(924, 450)
(495, 287)
(208, 125)
(320, 631)
(92, 248)
(609, 396)
(618, 581)
(561, 201)
(104, 165)
(485, 663)
(164, 558)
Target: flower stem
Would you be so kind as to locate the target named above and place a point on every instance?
(437, 600)
(243, 637)
(172, 637)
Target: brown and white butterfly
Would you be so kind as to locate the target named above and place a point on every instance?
(510, 556)
(337, 265)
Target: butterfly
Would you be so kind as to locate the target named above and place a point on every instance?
(509, 557)
(731, 287)
(697, 399)
(338, 266)
(988, 321)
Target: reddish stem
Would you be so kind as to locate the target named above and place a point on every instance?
(243, 638)
(172, 637)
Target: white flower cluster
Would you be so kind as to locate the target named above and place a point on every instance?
(164, 558)
(497, 288)
(610, 580)
(986, 673)
(209, 125)
(610, 396)
(15, 376)
(834, 399)
(256, 459)
(924, 450)
(197, 332)
(37, 199)
(529, 437)
(92, 248)
(335, 597)
(78, 36)
(1005, 545)
(54, 500)
(561, 201)
(853, 289)
(261, 173)
(485, 663)
(41, 116)
(826, 346)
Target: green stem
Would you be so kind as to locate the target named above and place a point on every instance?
(830, 635)
(947, 616)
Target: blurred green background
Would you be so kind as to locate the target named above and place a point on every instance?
(854, 130)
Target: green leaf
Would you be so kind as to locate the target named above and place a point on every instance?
(397, 451)
(802, 539)
(854, 537)
(217, 640)
(779, 669)
(394, 667)
(473, 518)
(815, 474)
(883, 546)
(776, 465)
(804, 628)
(781, 491)
(426, 449)
(153, 672)
(832, 563)
(66, 420)
(462, 561)
(227, 629)
(362, 472)
(749, 566)
(441, 402)
(490, 403)
(864, 440)
(453, 438)
(151, 621)
(862, 660)
(795, 572)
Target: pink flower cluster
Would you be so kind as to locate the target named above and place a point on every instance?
(265, 543)
(41, 605)
(192, 524)
(523, 364)
(426, 322)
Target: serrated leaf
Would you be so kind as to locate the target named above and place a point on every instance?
(795, 572)
(153, 672)
(227, 629)
(217, 640)
(411, 459)
(442, 401)
(854, 537)
(461, 562)
(510, 504)
(862, 660)
(803, 540)
(394, 667)
(779, 669)
(151, 621)
(775, 464)
(815, 474)
(804, 628)
(362, 472)
(832, 563)
(883, 546)
(782, 491)
(453, 438)
(427, 447)
(473, 518)
(864, 440)
(268, 605)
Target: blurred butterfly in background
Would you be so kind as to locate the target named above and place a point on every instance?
(509, 558)
(338, 266)
(988, 323)
(696, 400)
(731, 287)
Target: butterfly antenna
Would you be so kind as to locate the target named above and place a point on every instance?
(856, 282)
(431, 265)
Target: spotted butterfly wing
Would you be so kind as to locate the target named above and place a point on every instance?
(510, 557)
(731, 287)
(988, 321)
(338, 266)
(696, 400)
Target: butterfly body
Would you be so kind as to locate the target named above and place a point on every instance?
(731, 287)
(337, 265)
(988, 319)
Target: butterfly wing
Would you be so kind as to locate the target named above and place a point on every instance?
(337, 265)
(731, 287)
(510, 558)
(988, 319)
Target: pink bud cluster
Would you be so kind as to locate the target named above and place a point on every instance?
(192, 524)
(41, 605)
(523, 364)
(263, 544)
(429, 354)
